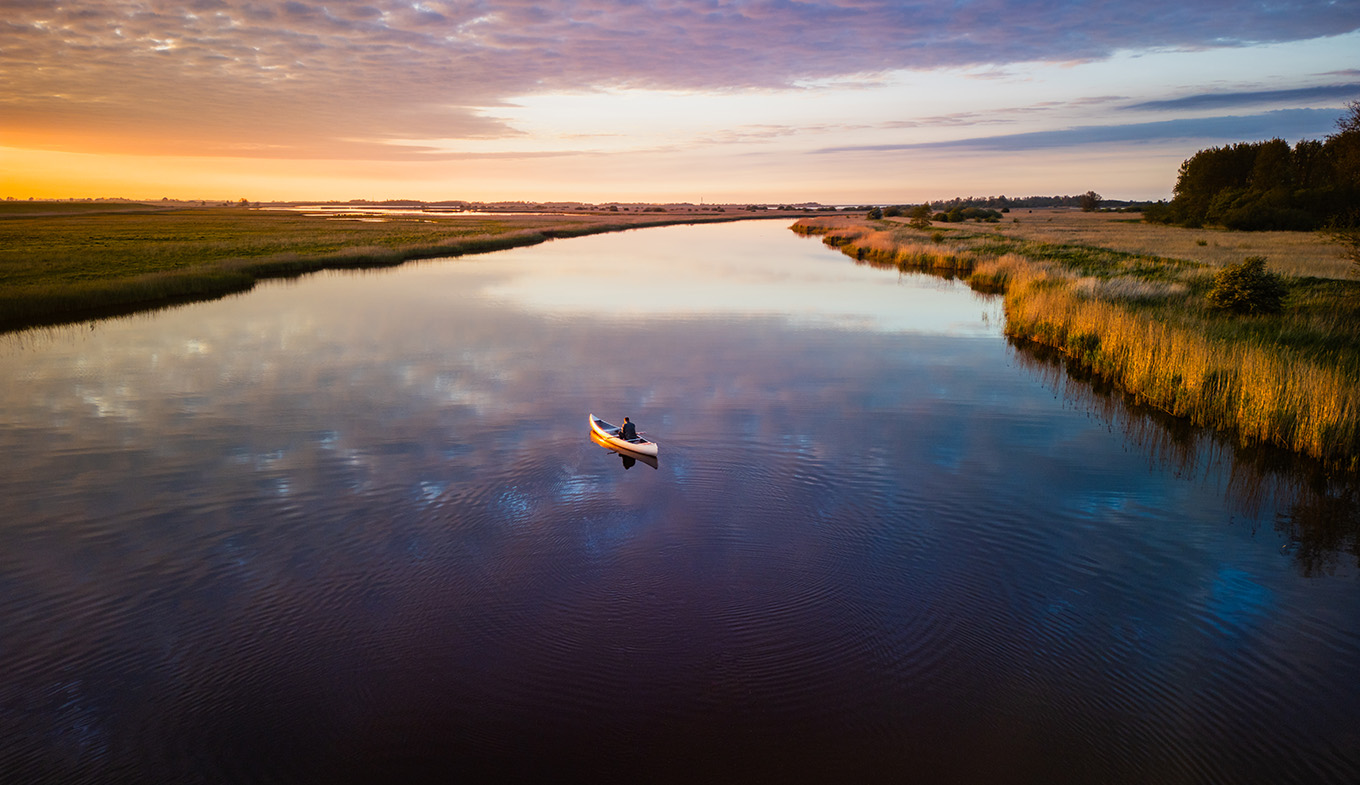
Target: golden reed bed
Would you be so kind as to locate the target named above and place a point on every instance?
(1127, 302)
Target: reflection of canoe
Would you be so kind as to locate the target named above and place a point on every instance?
(629, 457)
(610, 435)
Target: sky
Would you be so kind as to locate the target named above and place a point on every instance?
(703, 101)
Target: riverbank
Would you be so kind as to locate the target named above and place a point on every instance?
(1128, 303)
(66, 265)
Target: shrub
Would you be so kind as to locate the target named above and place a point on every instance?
(1247, 288)
(920, 216)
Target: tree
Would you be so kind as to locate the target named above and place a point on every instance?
(920, 216)
(1268, 185)
(1204, 175)
(1349, 123)
(1345, 144)
(1273, 167)
(1311, 164)
(1090, 202)
(875, 213)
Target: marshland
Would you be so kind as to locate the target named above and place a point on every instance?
(65, 261)
(1133, 302)
(302, 492)
(351, 525)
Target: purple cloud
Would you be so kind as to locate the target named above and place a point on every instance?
(1255, 98)
(217, 74)
(1288, 124)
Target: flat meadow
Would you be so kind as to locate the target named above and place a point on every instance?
(1128, 302)
(1291, 253)
(63, 262)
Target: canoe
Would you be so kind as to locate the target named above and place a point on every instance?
(609, 434)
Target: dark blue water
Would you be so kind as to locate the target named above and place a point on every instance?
(352, 528)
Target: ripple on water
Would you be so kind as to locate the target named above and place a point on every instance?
(865, 554)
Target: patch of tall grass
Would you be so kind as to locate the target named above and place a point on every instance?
(55, 303)
(1144, 323)
(1259, 390)
(882, 246)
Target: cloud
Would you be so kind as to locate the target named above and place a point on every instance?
(217, 75)
(1255, 98)
(990, 116)
(1288, 124)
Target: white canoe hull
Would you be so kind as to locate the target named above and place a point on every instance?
(609, 434)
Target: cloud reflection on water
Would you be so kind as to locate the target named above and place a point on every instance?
(682, 273)
(373, 512)
(362, 383)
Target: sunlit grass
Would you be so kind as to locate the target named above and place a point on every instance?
(1291, 253)
(1140, 319)
(889, 247)
(18, 207)
(71, 264)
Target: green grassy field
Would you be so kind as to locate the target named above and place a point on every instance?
(1134, 311)
(16, 207)
(62, 262)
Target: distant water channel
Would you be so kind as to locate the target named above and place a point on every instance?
(352, 528)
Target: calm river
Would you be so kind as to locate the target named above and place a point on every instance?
(352, 528)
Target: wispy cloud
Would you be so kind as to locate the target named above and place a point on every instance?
(1255, 98)
(1000, 115)
(301, 77)
(1289, 124)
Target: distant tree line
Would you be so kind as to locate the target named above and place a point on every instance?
(1270, 185)
(1005, 203)
(991, 208)
(958, 214)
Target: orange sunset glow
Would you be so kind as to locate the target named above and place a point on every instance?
(833, 101)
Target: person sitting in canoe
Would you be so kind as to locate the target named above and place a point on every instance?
(629, 430)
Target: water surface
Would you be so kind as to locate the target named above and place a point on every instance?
(352, 528)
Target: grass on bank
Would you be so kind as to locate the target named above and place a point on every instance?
(65, 266)
(15, 207)
(1143, 321)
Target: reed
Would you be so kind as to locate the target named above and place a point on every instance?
(1261, 391)
(55, 303)
(884, 246)
(1141, 321)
